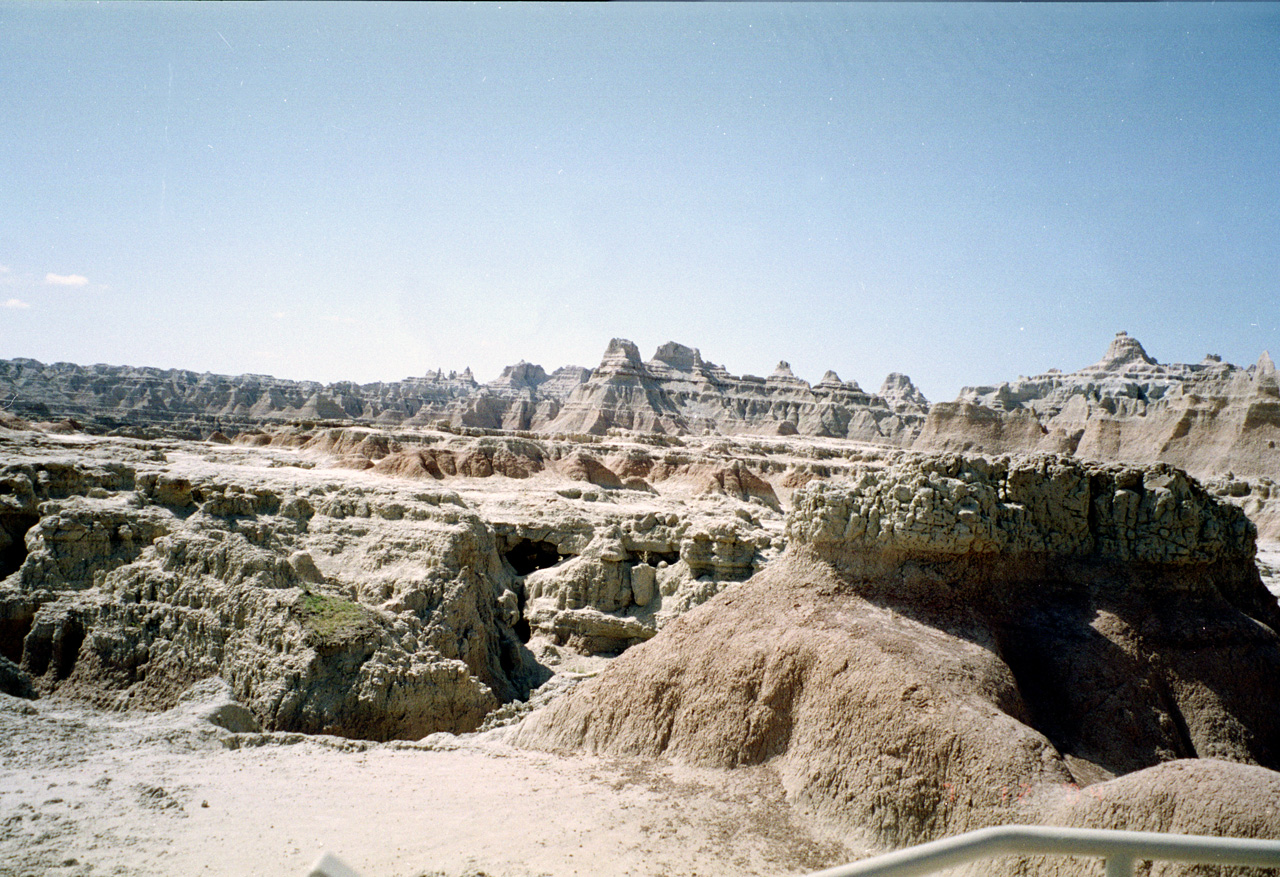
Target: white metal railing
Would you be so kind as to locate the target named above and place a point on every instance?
(1120, 849)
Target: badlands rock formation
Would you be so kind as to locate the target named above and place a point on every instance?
(676, 392)
(1216, 420)
(1198, 797)
(1210, 418)
(371, 614)
(914, 642)
(133, 400)
(953, 642)
(361, 582)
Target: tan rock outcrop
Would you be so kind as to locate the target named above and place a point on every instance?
(1208, 418)
(11, 422)
(327, 610)
(679, 393)
(581, 466)
(852, 704)
(615, 586)
(903, 396)
(953, 507)
(741, 483)
(512, 458)
(1203, 797)
(947, 639)
(371, 603)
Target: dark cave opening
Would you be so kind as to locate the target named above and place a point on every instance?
(67, 648)
(656, 557)
(527, 556)
(13, 541)
(13, 631)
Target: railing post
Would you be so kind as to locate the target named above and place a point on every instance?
(1119, 865)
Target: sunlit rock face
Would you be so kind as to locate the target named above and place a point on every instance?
(900, 638)
(1209, 418)
(358, 581)
(675, 393)
(154, 402)
(365, 614)
(951, 642)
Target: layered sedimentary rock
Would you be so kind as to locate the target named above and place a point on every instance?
(953, 642)
(369, 615)
(675, 393)
(133, 398)
(334, 578)
(1209, 418)
(946, 641)
(902, 395)
(1212, 418)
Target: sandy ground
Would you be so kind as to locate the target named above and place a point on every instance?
(90, 793)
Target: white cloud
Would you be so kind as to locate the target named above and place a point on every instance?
(65, 279)
(4, 269)
(15, 304)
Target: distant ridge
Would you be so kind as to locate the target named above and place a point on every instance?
(1210, 418)
(675, 392)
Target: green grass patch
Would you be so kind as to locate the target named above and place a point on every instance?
(332, 617)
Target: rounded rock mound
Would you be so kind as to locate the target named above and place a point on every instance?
(1200, 796)
(950, 643)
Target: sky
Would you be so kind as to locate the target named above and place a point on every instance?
(964, 193)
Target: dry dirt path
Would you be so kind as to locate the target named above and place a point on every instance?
(89, 793)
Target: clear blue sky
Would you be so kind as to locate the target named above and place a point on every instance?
(962, 193)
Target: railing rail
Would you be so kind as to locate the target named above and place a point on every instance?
(1120, 849)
